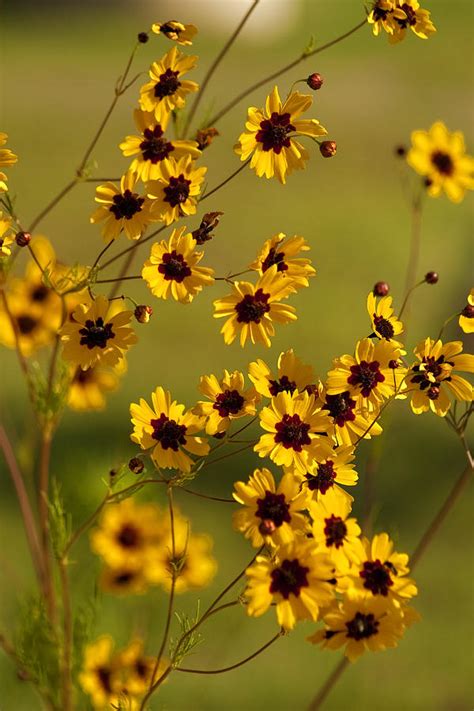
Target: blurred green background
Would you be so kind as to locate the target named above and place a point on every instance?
(60, 64)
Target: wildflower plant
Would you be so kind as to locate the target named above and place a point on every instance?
(310, 558)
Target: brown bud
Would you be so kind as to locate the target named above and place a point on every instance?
(205, 136)
(23, 239)
(143, 37)
(143, 313)
(433, 392)
(400, 151)
(219, 435)
(112, 474)
(468, 311)
(267, 527)
(315, 81)
(136, 465)
(208, 223)
(381, 288)
(393, 364)
(432, 277)
(328, 149)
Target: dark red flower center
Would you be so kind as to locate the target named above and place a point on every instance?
(168, 433)
(379, 13)
(383, 327)
(252, 307)
(341, 408)
(284, 384)
(376, 577)
(83, 376)
(154, 146)
(174, 267)
(128, 536)
(289, 578)
(177, 191)
(167, 85)
(95, 334)
(273, 507)
(362, 626)
(442, 162)
(292, 432)
(366, 376)
(335, 531)
(141, 668)
(127, 205)
(468, 311)
(40, 293)
(324, 477)
(273, 133)
(26, 324)
(230, 402)
(124, 578)
(104, 675)
(274, 257)
(431, 366)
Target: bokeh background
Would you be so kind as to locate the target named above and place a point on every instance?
(59, 65)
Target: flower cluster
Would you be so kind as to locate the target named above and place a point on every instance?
(396, 16)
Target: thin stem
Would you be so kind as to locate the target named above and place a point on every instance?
(67, 636)
(44, 522)
(214, 66)
(52, 204)
(331, 681)
(24, 675)
(123, 272)
(232, 666)
(83, 527)
(224, 182)
(407, 297)
(415, 245)
(117, 279)
(229, 454)
(279, 72)
(206, 496)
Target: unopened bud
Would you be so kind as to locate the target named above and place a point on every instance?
(393, 364)
(312, 389)
(315, 81)
(400, 151)
(205, 136)
(468, 311)
(136, 465)
(381, 288)
(143, 313)
(328, 149)
(219, 435)
(23, 239)
(143, 37)
(267, 527)
(433, 392)
(432, 277)
(208, 223)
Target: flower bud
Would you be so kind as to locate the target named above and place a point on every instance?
(136, 465)
(143, 37)
(315, 81)
(143, 313)
(208, 223)
(468, 311)
(205, 136)
(267, 527)
(328, 149)
(23, 239)
(381, 288)
(433, 392)
(219, 435)
(432, 277)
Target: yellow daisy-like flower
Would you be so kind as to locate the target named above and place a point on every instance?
(408, 14)
(441, 157)
(169, 430)
(333, 529)
(466, 317)
(167, 90)
(329, 468)
(7, 235)
(175, 193)
(270, 135)
(272, 515)
(171, 270)
(295, 580)
(251, 309)
(294, 426)
(229, 400)
(97, 333)
(88, 388)
(292, 374)
(121, 209)
(373, 375)
(350, 420)
(176, 31)
(381, 17)
(378, 570)
(283, 252)
(138, 668)
(434, 378)
(384, 323)
(125, 580)
(365, 624)
(7, 158)
(101, 676)
(152, 147)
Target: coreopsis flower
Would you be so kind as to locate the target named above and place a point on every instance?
(441, 157)
(270, 135)
(97, 333)
(329, 468)
(334, 530)
(384, 323)
(409, 14)
(169, 430)
(128, 533)
(121, 209)
(295, 581)
(283, 252)
(125, 580)
(228, 400)
(7, 235)
(175, 193)
(251, 309)
(172, 271)
(466, 317)
(88, 388)
(349, 419)
(294, 424)
(379, 570)
(166, 89)
(175, 31)
(433, 377)
(101, 676)
(381, 17)
(271, 515)
(292, 374)
(7, 158)
(365, 624)
(152, 147)
(371, 376)
(137, 668)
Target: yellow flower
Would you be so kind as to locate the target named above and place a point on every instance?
(434, 378)
(284, 254)
(169, 430)
(171, 270)
(295, 580)
(409, 14)
(251, 309)
(167, 90)
(381, 17)
(270, 135)
(124, 580)
(7, 235)
(333, 530)
(350, 420)
(441, 157)
(151, 147)
(175, 193)
(329, 468)
(365, 624)
(138, 668)
(294, 425)
(466, 317)
(88, 388)
(101, 673)
(384, 323)
(122, 209)
(7, 158)
(176, 31)
(272, 515)
(229, 401)
(292, 374)
(97, 333)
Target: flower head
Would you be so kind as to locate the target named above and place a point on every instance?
(7, 158)
(121, 208)
(101, 673)
(283, 252)
(334, 530)
(466, 317)
(350, 418)
(175, 31)
(174, 194)
(329, 468)
(7, 235)
(228, 400)
(292, 374)
(396, 16)
(384, 323)
(88, 388)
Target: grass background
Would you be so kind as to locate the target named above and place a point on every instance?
(60, 65)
